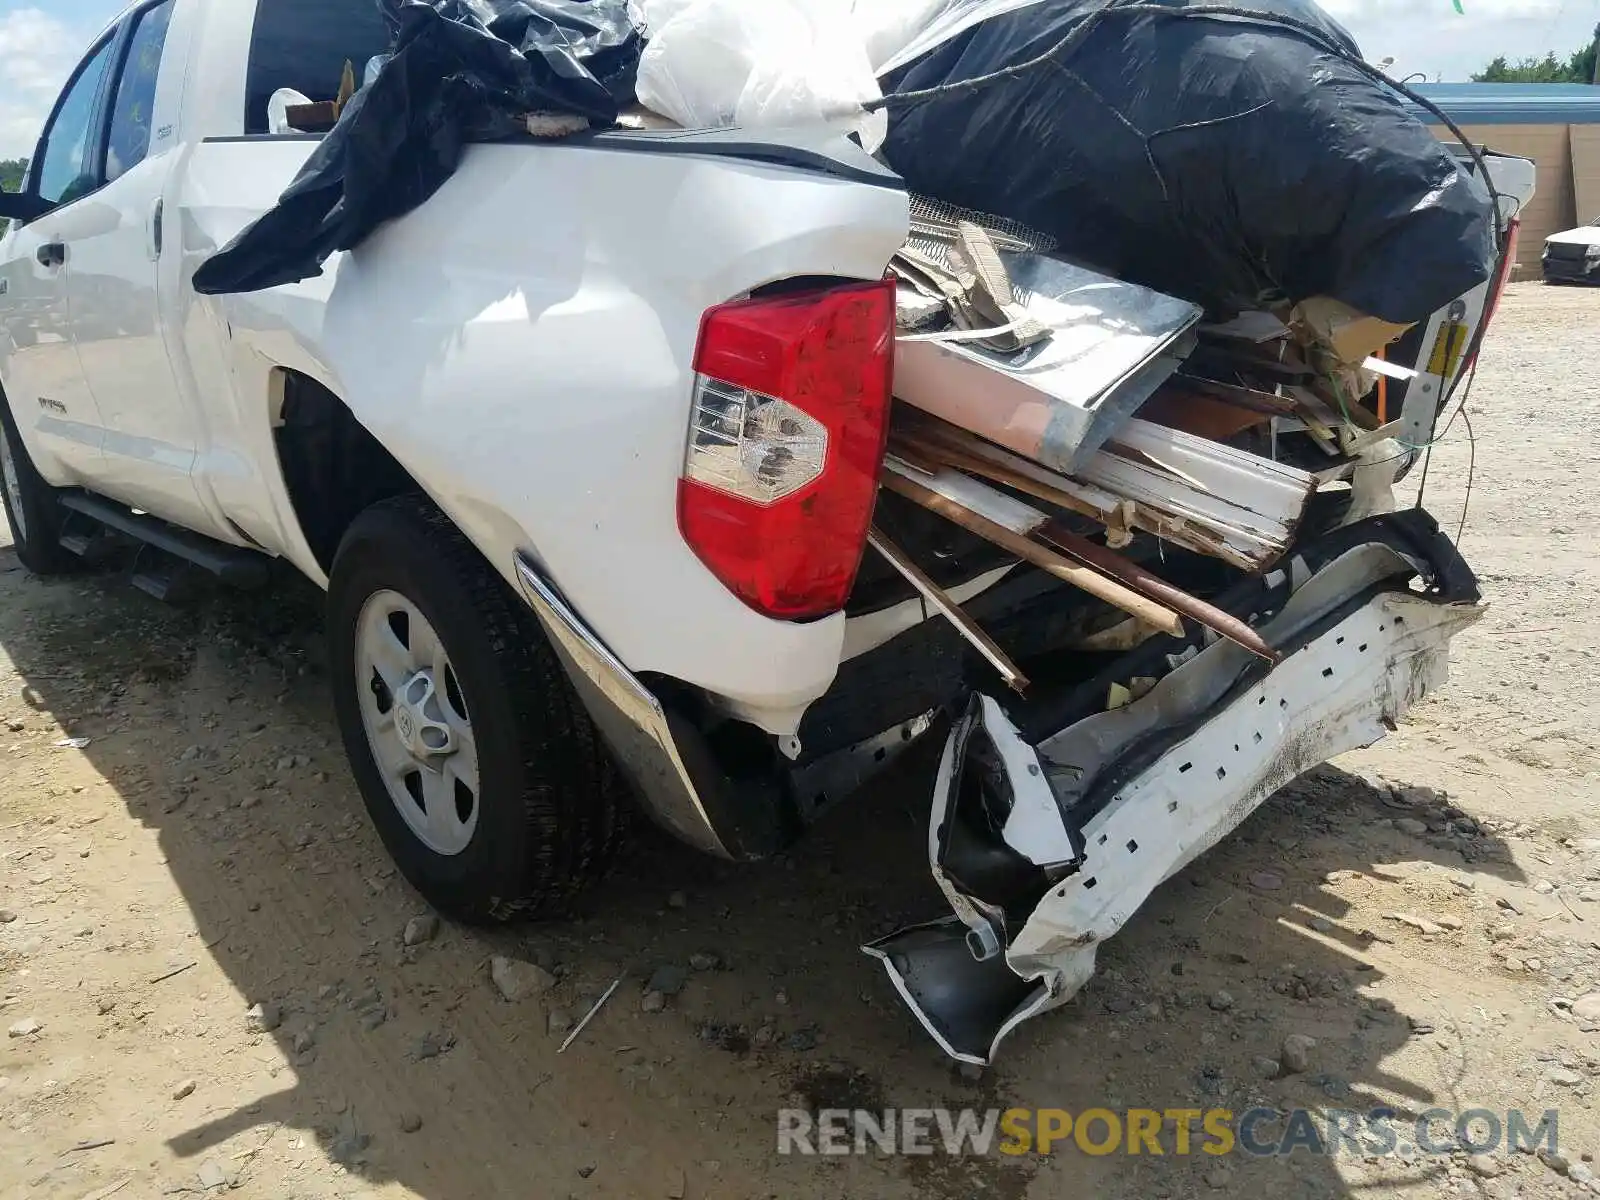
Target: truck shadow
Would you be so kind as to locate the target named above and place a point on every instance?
(215, 728)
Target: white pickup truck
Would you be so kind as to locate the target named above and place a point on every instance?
(472, 432)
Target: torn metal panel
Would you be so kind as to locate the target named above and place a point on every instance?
(1202, 788)
(1076, 758)
(1046, 850)
(1033, 825)
(1111, 345)
(988, 778)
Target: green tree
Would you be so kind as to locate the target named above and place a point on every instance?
(12, 171)
(1578, 67)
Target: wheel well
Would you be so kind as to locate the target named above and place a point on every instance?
(332, 467)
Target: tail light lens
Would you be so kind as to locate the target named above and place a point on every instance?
(1498, 285)
(1513, 236)
(791, 412)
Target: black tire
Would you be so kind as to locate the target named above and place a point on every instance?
(549, 813)
(36, 528)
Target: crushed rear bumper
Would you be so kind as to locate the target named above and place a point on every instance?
(1045, 846)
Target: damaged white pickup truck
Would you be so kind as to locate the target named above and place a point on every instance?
(588, 449)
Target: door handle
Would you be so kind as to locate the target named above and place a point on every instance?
(52, 254)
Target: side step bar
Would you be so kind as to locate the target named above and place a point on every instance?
(234, 565)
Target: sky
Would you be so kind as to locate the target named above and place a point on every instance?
(41, 41)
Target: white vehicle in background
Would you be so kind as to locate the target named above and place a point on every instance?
(1573, 256)
(588, 481)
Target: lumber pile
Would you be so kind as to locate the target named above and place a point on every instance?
(1018, 378)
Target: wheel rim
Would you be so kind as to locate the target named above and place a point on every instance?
(417, 722)
(8, 468)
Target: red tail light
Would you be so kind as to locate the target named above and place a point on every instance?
(1498, 287)
(1513, 235)
(791, 412)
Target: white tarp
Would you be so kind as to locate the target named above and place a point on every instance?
(776, 63)
(899, 31)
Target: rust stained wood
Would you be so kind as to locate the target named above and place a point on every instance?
(1000, 466)
(953, 612)
(1125, 570)
(898, 479)
(1106, 561)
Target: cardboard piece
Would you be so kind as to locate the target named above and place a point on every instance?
(1352, 335)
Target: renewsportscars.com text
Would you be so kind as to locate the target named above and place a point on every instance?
(1260, 1132)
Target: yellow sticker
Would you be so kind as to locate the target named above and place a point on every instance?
(1447, 349)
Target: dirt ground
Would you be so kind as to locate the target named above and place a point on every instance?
(205, 852)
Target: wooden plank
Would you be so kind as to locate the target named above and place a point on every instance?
(970, 453)
(1259, 485)
(1216, 532)
(1244, 532)
(314, 118)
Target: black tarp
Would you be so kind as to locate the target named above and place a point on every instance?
(1226, 161)
(461, 71)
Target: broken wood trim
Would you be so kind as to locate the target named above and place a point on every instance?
(1002, 466)
(1256, 485)
(928, 442)
(953, 612)
(898, 478)
(945, 448)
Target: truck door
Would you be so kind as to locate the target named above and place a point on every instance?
(45, 385)
(114, 246)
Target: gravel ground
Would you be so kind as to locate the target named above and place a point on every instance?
(213, 978)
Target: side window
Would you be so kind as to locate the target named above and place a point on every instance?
(304, 45)
(129, 139)
(66, 167)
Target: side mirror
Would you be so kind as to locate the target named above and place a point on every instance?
(22, 206)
